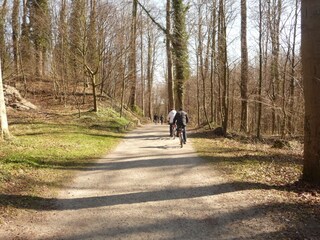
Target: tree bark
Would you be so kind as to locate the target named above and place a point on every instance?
(244, 69)
(274, 26)
(5, 134)
(15, 34)
(180, 46)
(149, 76)
(223, 68)
(132, 59)
(213, 64)
(310, 19)
(260, 73)
(3, 16)
(291, 127)
(169, 57)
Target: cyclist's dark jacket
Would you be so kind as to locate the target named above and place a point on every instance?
(181, 118)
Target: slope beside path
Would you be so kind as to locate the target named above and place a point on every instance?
(150, 188)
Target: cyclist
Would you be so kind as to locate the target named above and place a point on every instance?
(170, 118)
(181, 119)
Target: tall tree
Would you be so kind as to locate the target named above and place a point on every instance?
(41, 30)
(5, 134)
(3, 15)
(169, 56)
(180, 48)
(260, 73)
(244, 69)
(293, 71)
(149, 74)
(15, 34)
(61, 53)
(274, 17)
(203, 62)
(310, 20)
(132, 58)
(223, 64)
(213, 61)
(77, 35)
(92, 58)
(26, 56)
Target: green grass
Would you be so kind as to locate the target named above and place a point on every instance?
(43, 153)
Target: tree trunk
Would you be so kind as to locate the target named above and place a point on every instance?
(198, 91)
(3, 114)
(3, 16)
(213, 64)
(291, 127)
(15, 34)
(223, 75)
(274, 25)
(94, 92)
(203, 64)
(132, 59)
(142, 69)
(149, 76)
(244, 69)
(310, 19)
(180, 46)
(260, 73)
(169, 57)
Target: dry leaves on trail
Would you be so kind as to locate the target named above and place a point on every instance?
(258, 162)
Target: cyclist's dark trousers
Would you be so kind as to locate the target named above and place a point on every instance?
(184, 131)
(171, 129)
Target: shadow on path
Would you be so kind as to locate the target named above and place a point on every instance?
(38, 203)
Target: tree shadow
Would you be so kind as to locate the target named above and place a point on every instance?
(297, 220)
(39, 203)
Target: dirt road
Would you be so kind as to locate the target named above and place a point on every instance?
(150, 188)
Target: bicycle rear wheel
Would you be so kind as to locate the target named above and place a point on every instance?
(181, 139)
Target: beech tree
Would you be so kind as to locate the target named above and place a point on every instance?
(223, 64)
(310, 20)
(3, 15)
(171, 103)
(180, 49)
(291, 118)
(3, 113)
(132, 57)
(244, 69)
(260, 72)
(15, 34)
(40, 32)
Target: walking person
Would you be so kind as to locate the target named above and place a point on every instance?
(181, 120)
(161, 119)
(155, 118)
(170, 118)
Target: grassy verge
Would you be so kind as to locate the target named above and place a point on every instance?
(45, 151)
(257, 162)
(274, 172)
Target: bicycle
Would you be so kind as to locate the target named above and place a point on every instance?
(180, 136)
(174, 127)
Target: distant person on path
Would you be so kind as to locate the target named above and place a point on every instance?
(170, 118)
(161, 119)
(155, 119)
(181, 120)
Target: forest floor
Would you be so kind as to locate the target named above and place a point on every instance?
(150, 188)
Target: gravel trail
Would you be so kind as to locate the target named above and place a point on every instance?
(150, 188)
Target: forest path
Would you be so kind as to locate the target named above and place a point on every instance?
(150, 188)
